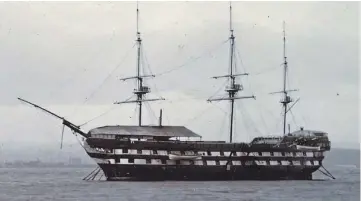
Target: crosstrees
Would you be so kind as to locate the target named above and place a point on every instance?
(286, 98)
(233, 88)
(141, 89)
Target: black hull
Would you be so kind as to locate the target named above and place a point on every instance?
(118, 172)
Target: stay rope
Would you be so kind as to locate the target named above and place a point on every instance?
(191, 60)
(103, 82)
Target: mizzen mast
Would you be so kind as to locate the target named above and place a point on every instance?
(286, 98)
(233, 88)
(141, 89)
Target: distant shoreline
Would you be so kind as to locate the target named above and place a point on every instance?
(48, 166)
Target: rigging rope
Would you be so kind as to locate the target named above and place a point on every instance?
(246, 113)
(108, 76)
(111, 108)
(264, 123)
(219, 89)
(76, 75)
(222, 126)
(245, 124)
(151, 112)
(102, 114)
(256, 73)
(303, 117)
(288, 80)
(145, 59)
(166, 116)
(219, 108)
(293, 118)
(183, 99)
(259, 106)
(240, 59)
(230, 65)
(191, 60)
(76, 136)
(134, 113)
(235, 117)
(197, 116)
(150, 71)
(267, 70)
(144, 65)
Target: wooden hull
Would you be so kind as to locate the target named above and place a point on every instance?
(201, 161)
(117, 172)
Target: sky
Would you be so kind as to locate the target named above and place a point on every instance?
(69, 56)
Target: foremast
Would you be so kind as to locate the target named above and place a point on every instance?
(141, 89)
(233, 88)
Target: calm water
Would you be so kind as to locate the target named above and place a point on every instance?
(67, 184)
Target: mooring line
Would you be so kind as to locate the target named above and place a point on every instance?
(86, 178)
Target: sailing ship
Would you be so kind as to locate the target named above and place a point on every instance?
(145, 152)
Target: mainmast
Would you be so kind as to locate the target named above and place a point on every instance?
(286, 98)
(141, 90)
(233, 87)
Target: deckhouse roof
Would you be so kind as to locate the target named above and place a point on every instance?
(163, 131)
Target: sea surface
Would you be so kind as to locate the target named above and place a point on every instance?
(67, 184)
